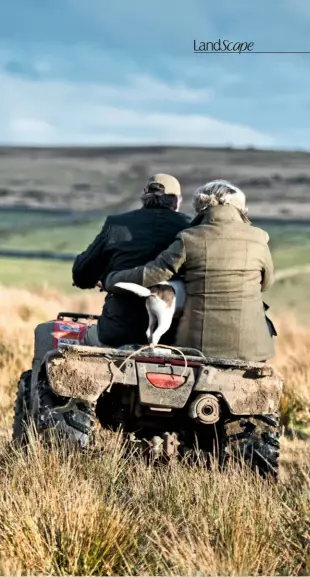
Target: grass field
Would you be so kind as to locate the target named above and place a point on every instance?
(80, 514)
(42, 230)
(12, 221)
(288, 296)
(36, 274)
(54, 235)
(290, 246)
(84, 515)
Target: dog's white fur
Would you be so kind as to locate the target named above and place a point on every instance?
(160, 312)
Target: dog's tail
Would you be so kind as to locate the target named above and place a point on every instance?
(137, 289)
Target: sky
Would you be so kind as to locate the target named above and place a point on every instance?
(118, 72)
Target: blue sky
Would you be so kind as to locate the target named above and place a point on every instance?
(124, 72)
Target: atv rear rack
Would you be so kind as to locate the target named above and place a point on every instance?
(76, 316)
(193, 356)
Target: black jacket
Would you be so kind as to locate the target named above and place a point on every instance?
(125, 241)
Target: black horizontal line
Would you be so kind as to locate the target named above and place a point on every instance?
(252, 52)
(37, 255)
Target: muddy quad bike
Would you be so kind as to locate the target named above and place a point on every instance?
(169, 402)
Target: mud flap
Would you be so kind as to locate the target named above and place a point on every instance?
(79, 375)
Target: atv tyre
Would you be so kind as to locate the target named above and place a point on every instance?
(22, 409)
(256, 443)
(73, 425)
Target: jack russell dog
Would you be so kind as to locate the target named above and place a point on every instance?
(163, 301)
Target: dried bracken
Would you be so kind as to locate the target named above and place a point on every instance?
(67, 513)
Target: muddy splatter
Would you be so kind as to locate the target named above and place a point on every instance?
(81, 376)
(246, 392)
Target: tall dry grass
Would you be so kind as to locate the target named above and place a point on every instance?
(293, 360)
(74, 514)
(21, 311)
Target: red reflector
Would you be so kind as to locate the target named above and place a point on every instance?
(164, 381)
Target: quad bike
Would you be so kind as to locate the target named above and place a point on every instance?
(169, 402)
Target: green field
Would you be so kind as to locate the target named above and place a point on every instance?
(12, 221)
(63, 238)
(36, 274)
(290, 246)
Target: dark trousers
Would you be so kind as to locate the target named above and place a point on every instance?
(124, 321)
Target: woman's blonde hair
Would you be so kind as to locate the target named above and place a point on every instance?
(219, 192)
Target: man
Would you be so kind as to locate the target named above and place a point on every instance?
(128, 240)
(227, 265)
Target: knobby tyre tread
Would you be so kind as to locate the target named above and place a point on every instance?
(73, 426)
(256, 442)
(21, 420)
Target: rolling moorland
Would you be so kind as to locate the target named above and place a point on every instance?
(85, 515)
(103, 179)
(57, 199)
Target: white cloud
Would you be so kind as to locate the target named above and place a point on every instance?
(31, 125)
(180, 128)
(71, 113)
(149, 88)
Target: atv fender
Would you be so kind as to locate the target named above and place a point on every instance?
(255, 390)
(80, 373)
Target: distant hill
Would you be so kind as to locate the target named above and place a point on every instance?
(277, 183)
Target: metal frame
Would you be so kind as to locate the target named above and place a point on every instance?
(76, 316)
(155, 356)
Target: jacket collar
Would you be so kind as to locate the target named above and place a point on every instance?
(220, 214)
(150, 207)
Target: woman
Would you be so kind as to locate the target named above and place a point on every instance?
(226, 264)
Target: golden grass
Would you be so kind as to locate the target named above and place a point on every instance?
(293, 360)
(21, 311)
(78, 514)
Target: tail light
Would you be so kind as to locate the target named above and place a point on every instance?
(165, 381)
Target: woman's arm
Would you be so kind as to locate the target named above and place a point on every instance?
(268, 270)
(163, 268)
